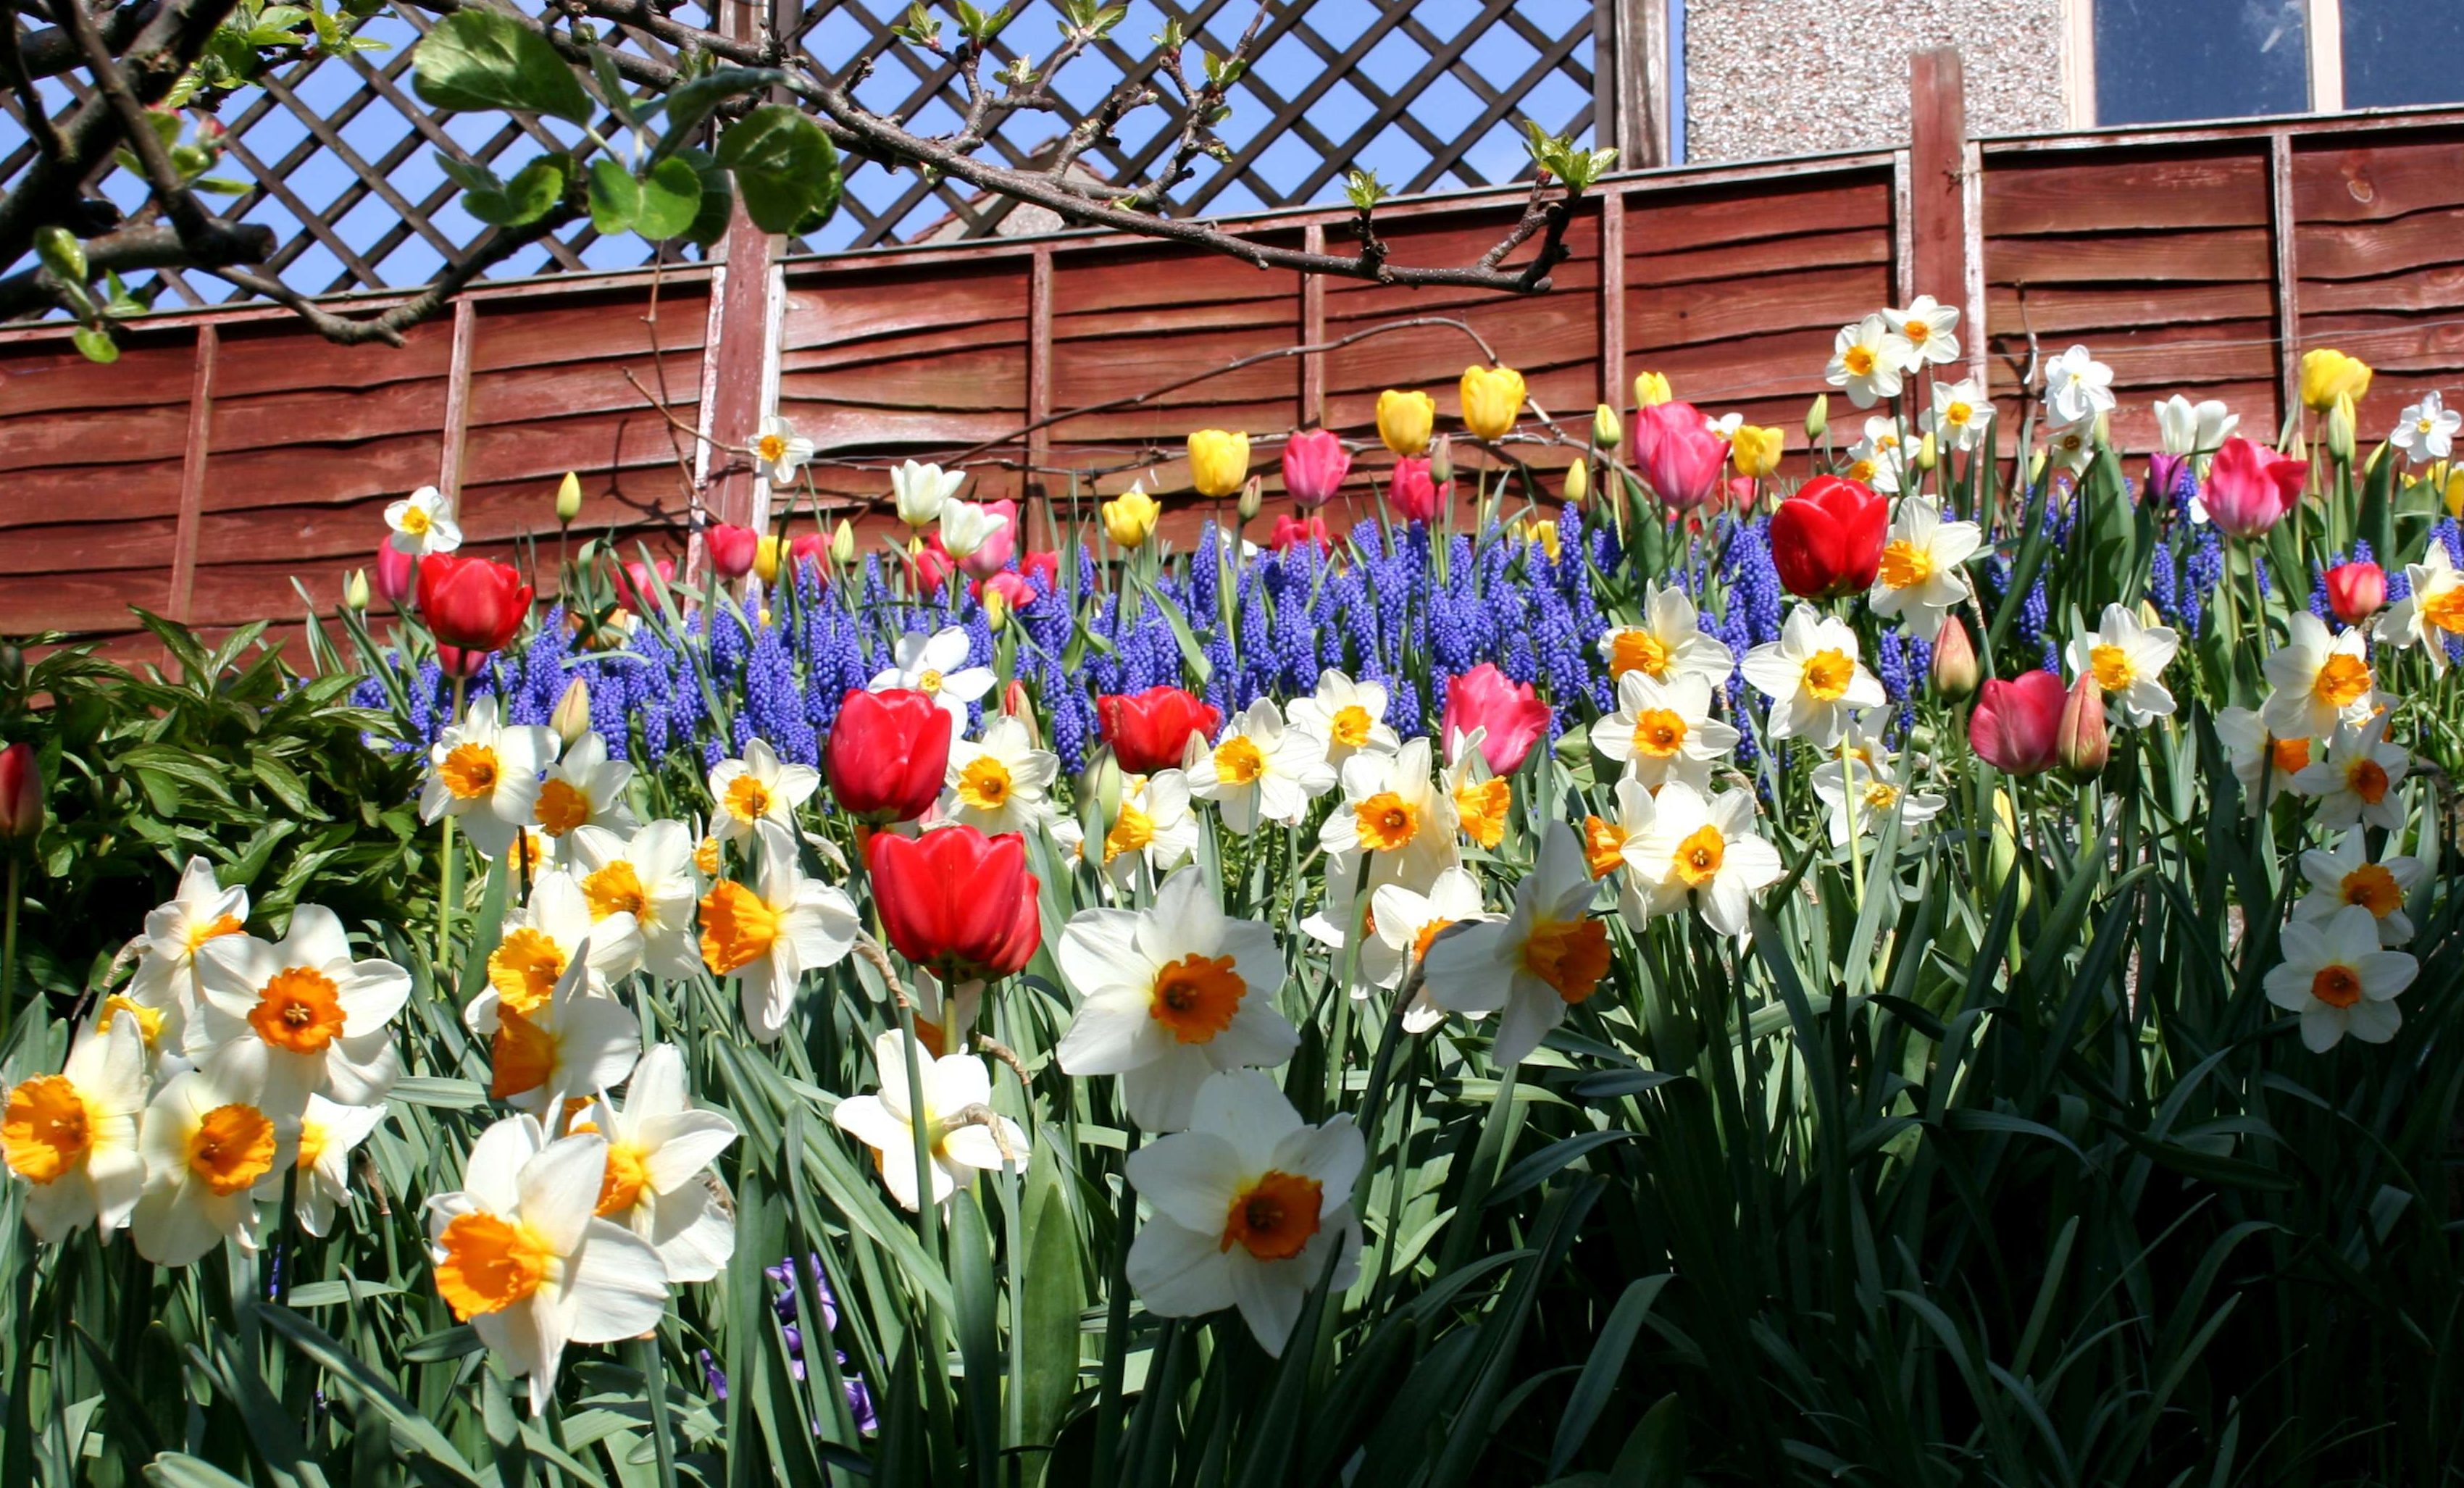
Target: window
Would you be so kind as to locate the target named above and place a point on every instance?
(2399, 52)
(2152, 61)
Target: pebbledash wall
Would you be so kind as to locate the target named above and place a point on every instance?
(231, 453)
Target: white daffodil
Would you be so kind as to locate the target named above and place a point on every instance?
(1393, 812)
(769, 936)
(1921, 578)
(1726, 426)
(955, 1114)
(164, 988)
(652, 877)
(2264, 764)
(1258, 769)
(922, 490)
(779, 453)
(1170, 994)
(2345, 875)
(2127, 661)
(520, 1256)
(1402, 926)
(1346, 717)
(1482, 798)
(1960, 417)
(937, 666)
(583, 788)
(1814, 678)
(1543, 957)
(2319, 680)
(486, 776)
(999, 782)
(1880, 459)
(206, 1147)
(74, 1136)
(2184, 427)
(2432, 612)
(967, 526)
(574, 1044)
(760, 787)
(1864, 363)
(299, 1018)
(1244, 1208)
(2078, 387)
(2336, 976)
(1864, 782)
(1921, 335)
(1698, 850)
(2356, 782)
(659, 1148)
(1153, 828)
(423, 523)
(2426, 430)
(328, 1134)
(2070, 447)
(556, 930)
(1670, 642)
(1663, 731)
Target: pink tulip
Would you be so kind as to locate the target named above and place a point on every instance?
(732, 549)
(2356, 591)
(1512, 714)
(394, 576)
(2017, 723)
(1678, 454)
(1414, 496)
(1314, 464)
(998, 547)
(2251, 489)
(1013, 588)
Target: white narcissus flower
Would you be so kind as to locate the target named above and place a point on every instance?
(1865, 775)
(760, 787)
(1663, 731)
(999, 782)
(557, 929)
(1402, 927)
(1543, 957)
(2335, 975)
(520, 1256)
(164, 988)
(2426, 430)
(1921, 335)
(2070, 447)
(1698, 850)
(2432, 612)
(1244, 1208)
(956, 1101)
(576, 1043)
(328, 1134)
(1168, 996)
(1880, 459)
(656, 1185)
(2184, 427)
(486, 776)
(2356, 782)
(583, 788)
(1814, 677)
(423, 523)
(2344, 875)
(779, 453)
(652, 877)
(2319, 681)
(1960, 416)
(2127, 661)
(922, 490)
(1864, 363)
(770, 935)
(74, 1136)
(937, 666)
(1920, 579)
(206, 1147)
(2078, 387)
(299, 1018)
(1344, 716)
(1154, 827)
(1258, 769)
(1392, 811)
(1670, 642)
(2259, 760)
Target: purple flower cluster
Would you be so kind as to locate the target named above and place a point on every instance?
(859, 1397)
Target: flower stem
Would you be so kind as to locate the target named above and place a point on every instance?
(9, 955)
(1848, 806)
(449, 874)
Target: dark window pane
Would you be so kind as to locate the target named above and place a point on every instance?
(2403, 52)
(2158, 60)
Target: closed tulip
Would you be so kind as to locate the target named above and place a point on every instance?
(2017, 723)
(1044, 565)
(1650, 389)
(1578, 483)
(1149, 731)
(2356, 591)
(1218, 462)
(1608, 431)
(473, 606)
(1755, 449)
(1511, 716)
(1827, 539)
(1314, 465)
(2081, 743)
(999, 546)
(1009, 589)
(930, 566)
(733, 549)
(1678, 454)
(1492, 400)
(21, 793)
(1405, 419)
(1413, 494)
(888, 754)
(957, 901)
(2328, 373)
(1954, 660)
(568, 498)
(1292, 532)
(2251, 488)
(396, 573)
(1130, 518)
(638, 584)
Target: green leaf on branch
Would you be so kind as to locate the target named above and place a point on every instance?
(695, 101)
(95, 344)
(717, 202)
(671, 199)
(483, 59)
(786, 167)
(615, 197)
(532, 192)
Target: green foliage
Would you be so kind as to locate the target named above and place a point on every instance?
(786, 169)
(486, 59)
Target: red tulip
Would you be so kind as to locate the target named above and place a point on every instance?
(811, 550)
(993, 555)
(930, 566)
(732, 549)
(957, 901)
(2249, 488)
(1292, 533)
(1412, 494)
(1678, 454)
(2017, 723)
(1012, 586)
(1149, 731)
(473, 606)
(2356, 591)
(21, 792)
(888, 752)
(395, 571)
(2083, 744)
(1826, 540)
(637, 584)
(1046, 564)
(1511, 712)
(1314, 465)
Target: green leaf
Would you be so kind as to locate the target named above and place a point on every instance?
(692, 102)
(1589, 1395)
(671, 199)
(615, 197)
(483, 59)
(786, 167)
(717, 203)
(95, 344)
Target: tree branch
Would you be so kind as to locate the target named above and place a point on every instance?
(150, 245)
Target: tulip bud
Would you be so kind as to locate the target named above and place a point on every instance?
(355, 589)
(2356, 591)
(843, 544)
(1578, 483)
(1253, 495)
(2036, 467)
(2299, 447)
(2082, 745)
(2002, 858)
(21, 793)
(1608, 431)
(1016, 703)
(1104, 784)
(1650, 389)
(1929, 453)
(568, 498)
(1817, 418)
(2339, 428)
(996, 610)
(1954, 660)
(1441, 460)
(571, 719)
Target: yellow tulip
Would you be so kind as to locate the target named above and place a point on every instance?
(1492, 399)
(1404, 420)
(1543, 532)
(355, 589)
(843, 543)
(2327, 373)
(1608, 431)
(996, 610)
(1755, 449)
(2454, 494)
(765, 559)
(2339, 428)
(568, 498)
(1817, 418)
(1218, 462)
(1130, 518)
(1578, 483)
(1650, 389)
(1928, 453)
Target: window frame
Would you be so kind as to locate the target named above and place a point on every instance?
(2323, 44)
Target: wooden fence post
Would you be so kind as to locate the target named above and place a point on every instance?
(738, 363)
(1630, 95)
(192, 477)
(1940, 231)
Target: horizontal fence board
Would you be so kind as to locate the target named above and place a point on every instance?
(2129, 194)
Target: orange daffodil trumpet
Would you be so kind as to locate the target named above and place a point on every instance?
(659, 1151)
(2432, 612)
(72, 1137)
(1543, 957)
(770, 933)
(284, 1021)
(486, 776)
